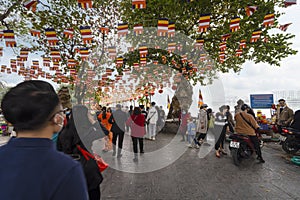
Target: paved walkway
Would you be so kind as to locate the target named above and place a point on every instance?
(195, 175)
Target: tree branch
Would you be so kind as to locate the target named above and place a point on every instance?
(9, 10)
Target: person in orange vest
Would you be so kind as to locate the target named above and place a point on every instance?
(103, 117)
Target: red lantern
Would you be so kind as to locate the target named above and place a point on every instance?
(160, 91)
(174, 87)
(152, 93)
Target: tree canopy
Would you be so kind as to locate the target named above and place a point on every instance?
(271, 47)
(210, 36)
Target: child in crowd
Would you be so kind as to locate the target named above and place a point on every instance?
(191, 131)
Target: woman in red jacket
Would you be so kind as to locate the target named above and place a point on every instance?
(136, 122)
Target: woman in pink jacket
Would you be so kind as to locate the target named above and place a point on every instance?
(136, 122)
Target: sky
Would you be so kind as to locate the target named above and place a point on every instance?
(262, 78)
(254, 78)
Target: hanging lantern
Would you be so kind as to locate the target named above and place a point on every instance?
(160, 91)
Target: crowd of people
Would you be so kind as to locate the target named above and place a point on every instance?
(70, 168)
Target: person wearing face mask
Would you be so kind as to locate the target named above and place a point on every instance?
(33, 108)
(82, 130)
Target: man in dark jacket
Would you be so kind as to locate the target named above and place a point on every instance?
(118, 119)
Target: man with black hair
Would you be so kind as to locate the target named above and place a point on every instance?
(285, 115)
(152, 120)
(30, 159)
(118, 119)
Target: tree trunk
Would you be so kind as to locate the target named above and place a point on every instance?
(182, 99)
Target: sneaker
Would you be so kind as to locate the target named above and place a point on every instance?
(197, 146)
(135, 159)
(114, 153)
(153, 138)
(190, 146)
(142, 152)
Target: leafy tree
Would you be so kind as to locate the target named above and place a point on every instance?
(271, 48)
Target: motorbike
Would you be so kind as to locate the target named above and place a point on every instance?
(241, 148)
(290, 140)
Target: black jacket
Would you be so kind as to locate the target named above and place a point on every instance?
(118, 119)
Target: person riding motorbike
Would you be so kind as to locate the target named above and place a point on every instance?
(247, 125)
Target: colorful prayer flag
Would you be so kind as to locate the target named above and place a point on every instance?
(199, 43)
(122, 29)
(119, 62)
(250, 10)
(162, 27)
(55, 55)
(222, 46)
(86, 34)
(289, 2)
(225, 37)
(235, 24)
(112, 52)
(46, 62)
(85, 4)
(138, 4)
(171, 47)
(104, 30)
(269, 20)
(138, 29)
(204, 22)
(242, 44)
(24, 54)
(69, 33)
(84, 53)
(71, 63)
(171, 29)
(9, 37)
(31, 5)
(143, 50)
(51, 36)
(35, 33)
(255, 36)
(239, 52)
(284, 26)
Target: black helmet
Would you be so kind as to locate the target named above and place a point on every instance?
(244, 107)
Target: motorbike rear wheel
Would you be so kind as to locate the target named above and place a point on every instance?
(290, 146)
(236, 156)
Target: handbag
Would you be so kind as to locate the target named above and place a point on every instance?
(100, 162)
(102, 165)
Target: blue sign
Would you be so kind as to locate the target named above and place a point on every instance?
(261, 100)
